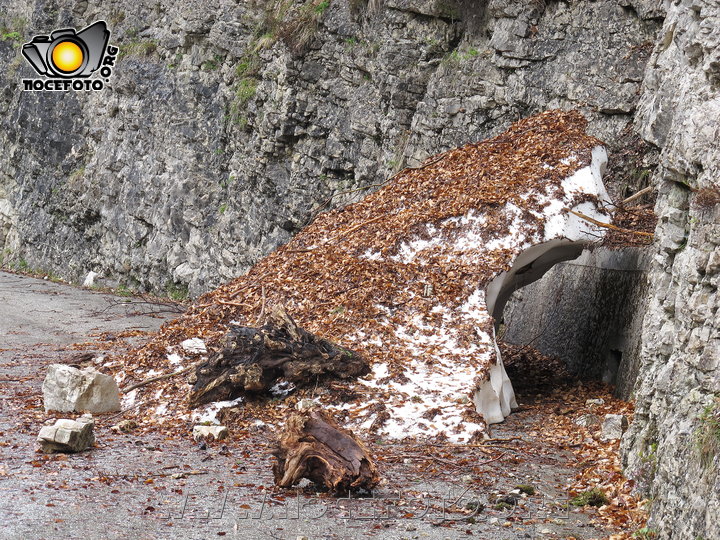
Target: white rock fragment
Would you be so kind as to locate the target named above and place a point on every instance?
(69, 389)
(595, 401)
(194, 346)
(68, 435)
(216, 433)
(90, 279)
(613, 427)
(307, 404)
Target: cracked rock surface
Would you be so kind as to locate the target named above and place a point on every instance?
(68, 435)
(211, 145)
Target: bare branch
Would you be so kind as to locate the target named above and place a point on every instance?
(637, 195)
(608, 225)
(157, 378)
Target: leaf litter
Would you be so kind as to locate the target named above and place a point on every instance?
(377, 276)
(400, 278)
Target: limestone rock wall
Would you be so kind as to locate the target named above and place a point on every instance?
(227, 125)
(679, 378)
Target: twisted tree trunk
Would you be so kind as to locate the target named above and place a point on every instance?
(313, 446)
(253, 360)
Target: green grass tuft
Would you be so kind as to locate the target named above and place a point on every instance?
(591, 497)
(177, 292)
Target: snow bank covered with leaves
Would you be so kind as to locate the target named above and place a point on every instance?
(411, 275)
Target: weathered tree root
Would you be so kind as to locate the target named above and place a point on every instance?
(253, 360)
(313, 446)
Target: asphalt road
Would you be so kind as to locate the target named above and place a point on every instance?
(153, 486)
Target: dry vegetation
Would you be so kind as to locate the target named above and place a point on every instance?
(707, 197)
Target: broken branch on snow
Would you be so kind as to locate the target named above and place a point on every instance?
(157, 378)
(608, 225)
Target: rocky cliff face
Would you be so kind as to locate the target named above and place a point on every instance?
(672, 447)
(227, 126)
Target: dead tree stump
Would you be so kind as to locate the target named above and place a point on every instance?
(254, 359)
(313, 446)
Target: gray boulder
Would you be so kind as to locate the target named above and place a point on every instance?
(68, 435)
(613, 427)
(68, 389)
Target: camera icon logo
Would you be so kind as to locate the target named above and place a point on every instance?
(68, 54)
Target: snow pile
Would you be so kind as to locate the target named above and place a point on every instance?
(411, 276)
(588, 180)
(431, 394)
(209, 413)
(194, 346)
